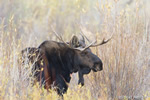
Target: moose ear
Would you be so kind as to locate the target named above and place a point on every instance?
(74, 42)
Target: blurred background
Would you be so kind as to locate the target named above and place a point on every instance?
(126, 58)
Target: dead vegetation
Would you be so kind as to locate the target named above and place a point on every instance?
(126, 57)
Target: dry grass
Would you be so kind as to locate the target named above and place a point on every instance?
(126, 57)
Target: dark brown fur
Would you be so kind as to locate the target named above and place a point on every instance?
(59, 61)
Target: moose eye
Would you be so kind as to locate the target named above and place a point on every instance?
(84, 53)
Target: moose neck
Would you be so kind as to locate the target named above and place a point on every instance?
(66, 62)
(60, 57)
(67, 59)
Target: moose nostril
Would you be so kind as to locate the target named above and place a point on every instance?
(102, 67)
(101, 64)
(98, 66)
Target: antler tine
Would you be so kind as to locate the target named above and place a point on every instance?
(84, 35)
(93, 44)
(103, 42)
(58, 36)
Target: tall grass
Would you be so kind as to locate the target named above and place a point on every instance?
(126, 57)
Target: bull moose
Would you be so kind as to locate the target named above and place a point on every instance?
(58, 60)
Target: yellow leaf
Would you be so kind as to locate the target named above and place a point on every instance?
(42, 69)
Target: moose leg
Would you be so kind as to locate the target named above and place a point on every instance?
(81, 73)
(61, 85)
(81, 79)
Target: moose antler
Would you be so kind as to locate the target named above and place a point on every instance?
(82, 33)
(73, 41)
(82, 49)
(92, 44)
(101, 43)
(58, 36)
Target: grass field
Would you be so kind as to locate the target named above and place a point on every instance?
(126, 58)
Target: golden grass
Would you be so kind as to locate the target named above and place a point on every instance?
(126, 57)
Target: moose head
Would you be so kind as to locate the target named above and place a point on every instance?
(86, 60)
